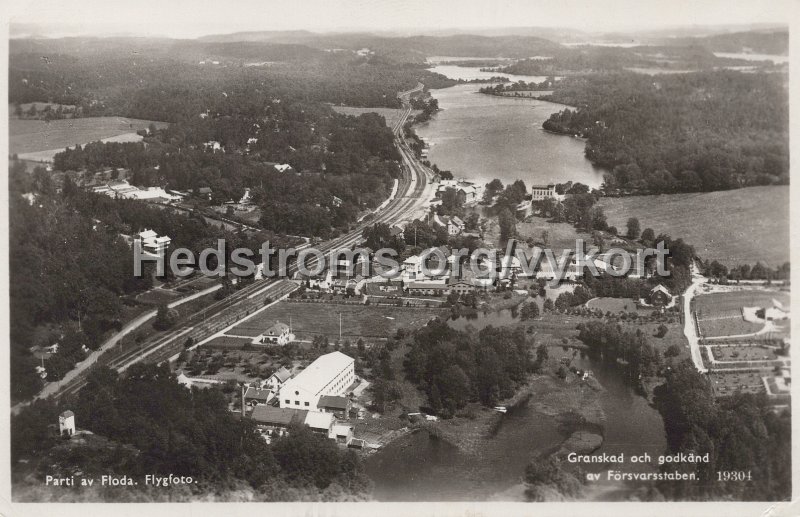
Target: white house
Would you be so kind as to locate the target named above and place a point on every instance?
(321, 423)
(330, 374)
(322, 281)
(455, 226)
(412, 268)
(542, 192)
(278, 334)
(469, 191)
(213, 146)
(277, 379)
(283, 167)
(152, 243)
(342, 433)
(66, 423)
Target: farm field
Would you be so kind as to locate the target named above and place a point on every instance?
(38, 137)
(391, 115)
(720, 314)
(719, 303)
(734, 227)
(311, 319)
(728, 325)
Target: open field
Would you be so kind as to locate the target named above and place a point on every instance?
(719, 303)
(734, 382)
(613, 304)
(731, 325)
(734, 227)
(391, 115)
(37, 136)
(311, 319)
(720, 314)
(559, 235)
(743, 353)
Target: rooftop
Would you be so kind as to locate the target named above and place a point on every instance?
(320, 372)
(277, 329)
(332, 402)
(255, 393)
(660, 288)
(282, 374)
(317, 420)
(265, 414)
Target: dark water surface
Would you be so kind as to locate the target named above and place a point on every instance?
(420, 468)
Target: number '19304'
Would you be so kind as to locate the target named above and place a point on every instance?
(734, 475)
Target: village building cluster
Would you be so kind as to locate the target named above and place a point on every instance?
(319, 396)
(422, 275)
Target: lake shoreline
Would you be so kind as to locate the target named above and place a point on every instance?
(574, 405)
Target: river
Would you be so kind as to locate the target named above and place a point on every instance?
(481, 137)
(418, 468)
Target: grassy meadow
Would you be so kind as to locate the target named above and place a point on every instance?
(734, 227)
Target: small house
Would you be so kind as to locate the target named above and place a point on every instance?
(255, 396)
(66, 423)
(276, 421)
(275, 381)
(342, 433)
(278, 334)
(660, 296)
(334, 404)
(320, 423)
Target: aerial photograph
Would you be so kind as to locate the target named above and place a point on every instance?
(398, 252)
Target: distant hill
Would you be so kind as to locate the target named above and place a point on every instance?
(405, 48)
(194, 50)
(759, 42)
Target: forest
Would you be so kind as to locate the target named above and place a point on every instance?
(73, 269)
(156, 426)
(740, 432)
(454, 367)
(691, 132)
(350, 158)
(142, 79)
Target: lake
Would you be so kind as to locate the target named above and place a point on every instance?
(775, 58)
(482, 137)
(470, 73)
(418, 468)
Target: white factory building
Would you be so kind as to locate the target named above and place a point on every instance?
(330, 374)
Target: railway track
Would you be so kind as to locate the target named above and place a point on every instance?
(223, 313)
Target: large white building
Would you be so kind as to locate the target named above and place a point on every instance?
(152, 243)
(330, 374)
(542, 192)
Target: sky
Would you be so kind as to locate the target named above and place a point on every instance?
(190, 19)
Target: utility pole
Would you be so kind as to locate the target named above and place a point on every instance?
(340, 327)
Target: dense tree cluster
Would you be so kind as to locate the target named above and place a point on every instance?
(73, 268)
(112, 77)
(758, 271)
(611, 343)
(174, 430)
(741, 432)
(678, 133)
(454, 367)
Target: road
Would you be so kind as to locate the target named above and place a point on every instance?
(689, 328)
(413, 196)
